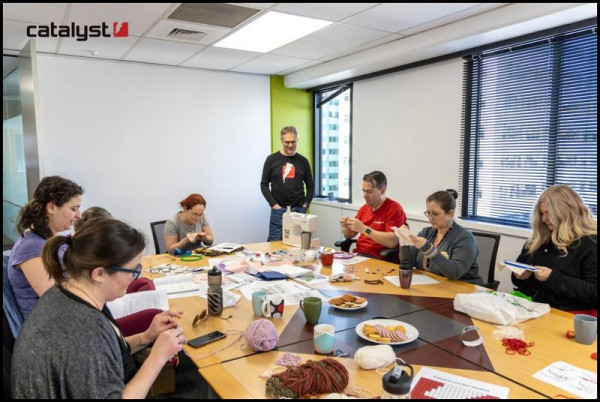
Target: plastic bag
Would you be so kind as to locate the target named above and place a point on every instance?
(499, 307)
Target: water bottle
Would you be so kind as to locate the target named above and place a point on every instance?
(396, 382)
(215, 292)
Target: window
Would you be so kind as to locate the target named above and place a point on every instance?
(333, 109)
(530, 121)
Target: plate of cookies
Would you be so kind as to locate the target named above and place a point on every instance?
(348, 302)
(387, 332)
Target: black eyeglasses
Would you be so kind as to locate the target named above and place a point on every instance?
(136, 272)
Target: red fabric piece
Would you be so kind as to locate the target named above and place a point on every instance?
(389, 214)
(140, 285)
(592, 312)
(137, 322)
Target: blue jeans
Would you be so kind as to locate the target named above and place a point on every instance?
(276, 220)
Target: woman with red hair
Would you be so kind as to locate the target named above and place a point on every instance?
(189, 228)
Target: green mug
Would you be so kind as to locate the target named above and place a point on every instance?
(312, 309)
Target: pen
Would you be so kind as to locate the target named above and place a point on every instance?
(174, 292)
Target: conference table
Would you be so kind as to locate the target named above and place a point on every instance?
(234, 371)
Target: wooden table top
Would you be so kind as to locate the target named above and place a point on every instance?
(428, 307)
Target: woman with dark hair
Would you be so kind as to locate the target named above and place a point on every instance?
(189, 228)
(563, 246)
(445, 248)
(89, 214)
(138, 321)
(70, 346)
(53, 209)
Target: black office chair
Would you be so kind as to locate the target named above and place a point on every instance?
(486, 259)
(158, 233)
(388, 254)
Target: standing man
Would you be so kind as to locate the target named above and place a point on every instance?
(287, 171)
(375, 219)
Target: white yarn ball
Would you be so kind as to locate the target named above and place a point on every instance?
(374, 357)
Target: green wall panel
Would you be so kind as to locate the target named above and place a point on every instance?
(292, 107)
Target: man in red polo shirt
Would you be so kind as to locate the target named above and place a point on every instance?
(375, 219)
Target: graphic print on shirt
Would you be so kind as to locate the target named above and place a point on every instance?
(288, 171)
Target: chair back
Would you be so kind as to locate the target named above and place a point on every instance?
(486, 259)
(158, 233)
(9, 301)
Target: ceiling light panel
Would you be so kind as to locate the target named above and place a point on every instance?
(270, 31)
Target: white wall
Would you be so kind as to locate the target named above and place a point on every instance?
(139, 138)
(408, 125)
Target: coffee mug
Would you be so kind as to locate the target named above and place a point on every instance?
(258, 297)
(272, 307)
(585, 328)
(324, 338)
(326, 259)
(312, 309)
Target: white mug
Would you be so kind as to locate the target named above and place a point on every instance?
(272, 307)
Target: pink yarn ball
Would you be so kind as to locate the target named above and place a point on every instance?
(261, 335)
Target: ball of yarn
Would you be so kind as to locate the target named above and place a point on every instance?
(261, 335)
(373, 357)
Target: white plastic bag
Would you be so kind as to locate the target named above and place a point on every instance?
(499, 307)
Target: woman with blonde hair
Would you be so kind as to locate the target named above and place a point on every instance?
(562, 246)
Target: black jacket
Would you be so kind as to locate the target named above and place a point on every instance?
(572, 285)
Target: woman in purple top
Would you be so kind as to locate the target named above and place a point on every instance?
(53, 209)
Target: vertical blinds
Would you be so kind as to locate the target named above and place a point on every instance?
(529, 121)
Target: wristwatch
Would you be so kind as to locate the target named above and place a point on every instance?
(367, 231)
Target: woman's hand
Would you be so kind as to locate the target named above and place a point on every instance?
(168, 344)
(193, 237)
(417, 241)
(542, 273)
(524, 275)
(162, 322)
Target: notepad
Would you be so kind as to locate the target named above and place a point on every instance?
(518, 268)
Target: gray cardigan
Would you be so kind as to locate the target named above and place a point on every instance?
(461, 250)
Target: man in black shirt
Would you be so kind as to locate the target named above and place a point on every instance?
(287, 171)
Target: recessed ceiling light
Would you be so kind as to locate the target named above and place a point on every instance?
(270, 31)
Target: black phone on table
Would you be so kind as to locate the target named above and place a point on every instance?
(207, 338)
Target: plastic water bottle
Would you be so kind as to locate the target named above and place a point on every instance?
(215, 292)
(396, 382)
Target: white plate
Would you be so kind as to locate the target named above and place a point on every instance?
(411, 331)
(349, 308)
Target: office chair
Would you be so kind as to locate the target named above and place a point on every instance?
(158, 234)
(388, 254)
(9, 301)
(486, 259)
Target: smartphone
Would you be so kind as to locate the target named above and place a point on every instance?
(207, 338)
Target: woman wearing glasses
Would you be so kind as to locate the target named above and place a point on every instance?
(70, 346)
(188, 229)
(445, 248)
(563, 246)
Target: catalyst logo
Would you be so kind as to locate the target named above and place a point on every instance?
(81, 32)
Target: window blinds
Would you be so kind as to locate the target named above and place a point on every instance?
(529, 121)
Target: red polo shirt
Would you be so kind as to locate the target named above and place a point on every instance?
(389, 214)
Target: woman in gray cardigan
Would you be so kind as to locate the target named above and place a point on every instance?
(445, 248)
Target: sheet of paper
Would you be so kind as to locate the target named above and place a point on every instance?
(350, 261)
(134, 302)
(575, 380)
(291, 271)
(416, 280)
(435, 384)
(226, 247)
